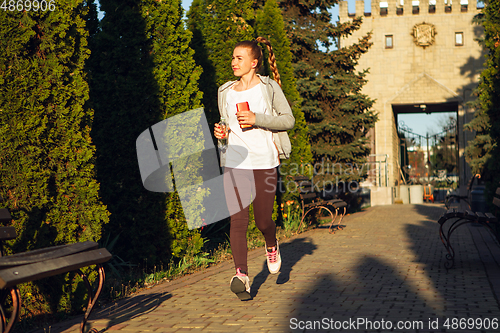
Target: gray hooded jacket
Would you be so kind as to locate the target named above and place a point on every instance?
(281, 120)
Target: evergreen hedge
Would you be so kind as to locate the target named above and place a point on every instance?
(46, 153)
(482, 153)
(270, 25)
(142, 71)
(338, 115)
(217, 25)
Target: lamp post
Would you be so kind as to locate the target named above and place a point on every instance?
(462, 181)
(428, 163)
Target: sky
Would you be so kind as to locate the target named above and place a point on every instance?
(335, 10)
(422, 123)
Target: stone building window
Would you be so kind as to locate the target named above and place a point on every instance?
(389, 42)
(399, 8)
(459, 39)
(432, 6)
(447, 6)
(415, 6)
(383, 8)
(463, 5)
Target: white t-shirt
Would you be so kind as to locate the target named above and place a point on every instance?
(253, 148)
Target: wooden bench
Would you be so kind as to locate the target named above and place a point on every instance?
(33, 265)
(454, 218)
(454, 196)
(311, 200)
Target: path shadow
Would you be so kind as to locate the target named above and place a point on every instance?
(128, 309)
(419, 293)
(430, 212)
(462, 286)
(121, 311)
(372, 294)
(291, 253)
(432, 255)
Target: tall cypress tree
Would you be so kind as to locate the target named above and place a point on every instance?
(217, 26)
(482, 152)
(338, 115)
(47, 175)
(47, 171)
(269, 24)
(196, 23)
(142, 72)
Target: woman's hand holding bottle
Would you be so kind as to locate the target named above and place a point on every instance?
(220, 132)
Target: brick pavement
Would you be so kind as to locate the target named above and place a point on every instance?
(386, 266)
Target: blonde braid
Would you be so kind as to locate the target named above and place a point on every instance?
(272, 59)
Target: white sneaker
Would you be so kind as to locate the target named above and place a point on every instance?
(240, 285)
(274, 259)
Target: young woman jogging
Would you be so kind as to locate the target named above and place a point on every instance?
(256, 111)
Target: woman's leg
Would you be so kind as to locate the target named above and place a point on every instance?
(238, 239)
(238, 186)
(266, 181)
(261, 184)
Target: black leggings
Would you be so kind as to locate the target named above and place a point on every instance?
(240, 187)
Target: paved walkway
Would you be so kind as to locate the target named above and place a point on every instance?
(384, 270)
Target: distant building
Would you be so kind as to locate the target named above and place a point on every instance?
(423, 59)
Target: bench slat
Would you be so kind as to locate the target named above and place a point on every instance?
(7, 233)
(496, 201)
(491, 218)
(340, 204)
(5, 216)
(337, 203)
(470, 215)
(481, 217)
(306, 196)
(53, 252)
(12, 276)
(306, 188)
(497, 192)
(451, 213)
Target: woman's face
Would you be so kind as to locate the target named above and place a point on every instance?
(243, 62)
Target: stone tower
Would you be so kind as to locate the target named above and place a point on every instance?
(423, 59)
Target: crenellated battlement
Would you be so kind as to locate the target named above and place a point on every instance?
(409, 7)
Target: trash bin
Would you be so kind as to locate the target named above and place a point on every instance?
(477, 200)
(416, 194)
(439, 195)
(404, 193)
(365, 195)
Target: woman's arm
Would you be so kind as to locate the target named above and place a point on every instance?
(285, 119)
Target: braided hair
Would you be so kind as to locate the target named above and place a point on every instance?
(256, 52)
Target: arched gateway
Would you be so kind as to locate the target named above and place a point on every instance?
(424, 58)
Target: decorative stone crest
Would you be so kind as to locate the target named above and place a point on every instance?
(423, 34)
